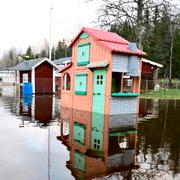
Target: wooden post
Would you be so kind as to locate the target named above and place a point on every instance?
(146, 85)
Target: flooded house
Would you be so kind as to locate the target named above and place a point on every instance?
(36, 76)
(100, 104)
(8, 79)
(60, 63)
(103, 78)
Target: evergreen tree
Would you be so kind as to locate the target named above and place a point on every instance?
(29, 54)
(62, 50)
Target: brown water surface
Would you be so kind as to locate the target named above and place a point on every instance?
(36, 144)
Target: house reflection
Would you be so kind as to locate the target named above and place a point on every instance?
(39, 110)
(97, 146)
(149, 109)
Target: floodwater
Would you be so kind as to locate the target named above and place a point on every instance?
(36, 144)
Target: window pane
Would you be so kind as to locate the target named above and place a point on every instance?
(66, 80)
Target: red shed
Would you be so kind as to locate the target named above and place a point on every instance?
(149, 73)
(40, 73)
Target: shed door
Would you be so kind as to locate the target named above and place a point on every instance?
(98, 100)
(44, 78)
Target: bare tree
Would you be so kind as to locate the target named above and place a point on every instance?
(132, 11)
(10, 58)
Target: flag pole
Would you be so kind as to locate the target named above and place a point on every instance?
(50, 29)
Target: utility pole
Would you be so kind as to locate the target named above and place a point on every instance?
(50, 29)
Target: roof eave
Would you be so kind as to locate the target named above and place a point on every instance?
(66, 67)
(45, 60)
(131, 53)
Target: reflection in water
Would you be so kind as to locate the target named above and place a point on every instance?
(89, 146)
(158, 147)
(39, 111)
(103, 150)
(98, 148)
(30, 152)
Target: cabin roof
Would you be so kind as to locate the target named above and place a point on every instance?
(109, 40)
(66, 67)
(62, 60)
(30, 64)
(152, 63)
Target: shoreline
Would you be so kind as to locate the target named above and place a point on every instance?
(170, 94)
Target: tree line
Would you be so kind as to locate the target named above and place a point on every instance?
(153, 24)
(13, 57)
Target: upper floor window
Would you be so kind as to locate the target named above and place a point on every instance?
(83, 54)
(80, 84)
(66, 80)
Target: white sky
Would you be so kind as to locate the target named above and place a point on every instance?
(26, 22)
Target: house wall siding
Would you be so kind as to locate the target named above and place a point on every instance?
(123, 105)
(134, 66)
(97, 53)
(119, 63)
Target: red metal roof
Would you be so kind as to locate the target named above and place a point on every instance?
(123, 48)
(105, 36)
(109, 40)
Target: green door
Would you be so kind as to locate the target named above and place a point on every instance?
(98, 100)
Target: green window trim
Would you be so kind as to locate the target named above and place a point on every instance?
(79, 161)
(78, 141)
(84, 35)
(120, 94)
(81, 84)
(80, 125)
(84, 44)
(79, 133)
(83, 54)
(83, 74)
(83, 63)
(112, 134)
(81, 92)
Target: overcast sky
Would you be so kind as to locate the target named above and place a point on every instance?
(26, 22)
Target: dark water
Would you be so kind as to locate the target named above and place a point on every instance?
(35, 144)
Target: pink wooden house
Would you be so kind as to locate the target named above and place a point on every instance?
(105, 74)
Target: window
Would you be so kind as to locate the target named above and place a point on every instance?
(79, 133)
(84, 35)
(116, 82)
(99, 80)
(83, 54)
(25, 77)
(127, 84)
(96, 144)
(66, 80)
(80, 84)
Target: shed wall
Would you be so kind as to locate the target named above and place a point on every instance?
(44, 78)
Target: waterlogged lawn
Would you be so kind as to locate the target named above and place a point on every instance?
(162, 94)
